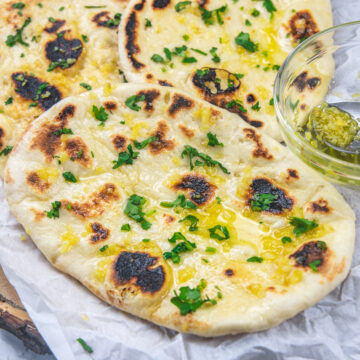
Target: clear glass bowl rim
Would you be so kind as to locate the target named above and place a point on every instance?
(286, 127)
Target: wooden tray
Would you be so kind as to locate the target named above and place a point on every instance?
(14, 318)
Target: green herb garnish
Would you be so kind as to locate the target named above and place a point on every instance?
(131, 102)
(247, 22)
(142, 144)
(206, 159)
(69, 176)
(104, 248)
(85, 38)
(262, 202)
(219, 232)
(17, 38)
(94, 7)
(199, 51)
(193, 220)
(208, 16)
(179, 248)
(126, 227)
(180, 201)
(85, 86)
(182, 5)
(286, 239)
(255, 259)
(6, 150)
(256, 107)
(314, 265)
(215, 58)
(157, 58)
(148, 23)
(64, 64)
(213, 140)
(301, 226)
(18, 5)
(188, 60)
(100, 114)
(237, 103)
(243, 39)
(125, 157)
(62, 131)
(210, 250)
(9, 101)
(134, 211)
(85, 346)
(269, 6)
(189, 300)
(54, 212)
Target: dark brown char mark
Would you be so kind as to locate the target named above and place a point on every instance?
(310, 252)
(179, 102)
(160, 4)
(302, 25)
(55, 26)
(150, 96)
(303, 81)
(130, 40)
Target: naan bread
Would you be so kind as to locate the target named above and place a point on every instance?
(225, 70)
(82, 33)
(238, 199)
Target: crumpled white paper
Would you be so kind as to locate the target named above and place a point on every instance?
(63, 310)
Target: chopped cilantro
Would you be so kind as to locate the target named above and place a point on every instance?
(199, 51)
(51, 19)
(85, 38)
(269, 6)
(62, 131)
(147, 23)
(126, 227)
(54, 212)
(213, 140)
(314, 265)
(131, 102)
(255, 12)
(69, 176)
(262, 202)
(85, 346)
(237, 103)
(125, 157)
(94, 7)
(68, 206)
(301, 226)
(271, 102)
(182, 5)
(145, 240)
(189, 300)
(321, 245)
(255, 259)
(208, 17)
(134, 211)
(193, 220)
(201, 72)
(243, 39)
(215, 58)
(142, 144)
(276, 67)
(85, 86)
(9, 101)
(6, 150)
(17, 38)
(219, 232)
(218, 200)
(188, 60)
(100, 114)
(61, 8)
(64, 64)
(207, 160)
(104, 248)
(247, 22)
(92, 154)
(40, 5)
(239, 76)
(210, 250)
(18, 5)
(180, 201)
(286, 239)
(181, 247)
(157, 58)
(256, 107)
(186, 37)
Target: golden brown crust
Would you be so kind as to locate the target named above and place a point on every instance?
(179, 103)
(260, 150)
(157, 147)
(302, 25)
(119, 142)
(150, 96)
(78, 151)
(100, 233)
(187, 131)
(38, 184)
(319, 206)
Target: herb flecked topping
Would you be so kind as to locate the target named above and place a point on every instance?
(134, 210)
(301, 226)
(181, 247)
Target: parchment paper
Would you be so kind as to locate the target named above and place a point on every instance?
(63, 310)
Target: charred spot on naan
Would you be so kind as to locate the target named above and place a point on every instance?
(2, 135)
(110, 105)
(156, 147)
(200, 189)
(169, 219)
(78, 151)
(179, 102)
(292, 175)
(309, 253)
(100, 233)
(96, 205)
(187, 131)
(38, 214)
(281, 202)
(303, 81)
(103, 19)
(131, 33)
(39, 185)
(160, 4)
(55, 26)
(139, 269)
(229, 272)
(32, 88)
(302, 25)
(319, 206)
(260, 151)
(62, 52)
(150, 96)
(250, 98)
(119, 142)
(165, 83)
(46, 139)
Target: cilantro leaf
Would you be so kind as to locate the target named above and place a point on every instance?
(17, 38)
(157, 58)
(256, 107)
(147, 23)
(314, 265)
(179, 248)
(180, 201)
(237, 103)
(69, 176)
(193, 220)
(301, 226)
(18, 5)
(215, 58)
(142, 144)
(131, 102)
(134, 210)
(182, 5)
(286, 239)
(54, 212)
(255, 259)
(100, 114)
(207, 15)
(125, 227)
(207, 160)
(269, 6)
(9, 101)
(85, 346)
(262, 202)
(188, 60)
(6, 150)
(85, 86)
(213, 140)
(214, 232)
(125, 157)
(243, 39)
(62, 131)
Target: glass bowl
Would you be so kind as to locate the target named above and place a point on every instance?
(323, 68)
